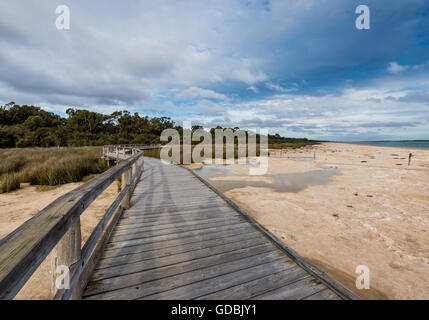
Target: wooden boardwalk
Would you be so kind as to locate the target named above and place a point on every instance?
(182, 240)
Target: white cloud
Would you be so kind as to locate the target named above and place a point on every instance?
(209, 108)
(195, 92)
(396, 68)
(279, 88)
(249, 77)
(254, 89)
(350, 115)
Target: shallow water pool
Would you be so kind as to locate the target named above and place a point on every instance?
(287, 182)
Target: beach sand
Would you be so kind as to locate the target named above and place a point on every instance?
(374, 212)
(18, 206)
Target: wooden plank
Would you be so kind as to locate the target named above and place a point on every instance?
(259, 286)
(174, 213)
(326, 294)
(215, 284)
(184, 256)
(147, 206)
(162, 250)
(160, 235)
(195, 217)
(179, 227)
(140, 266)
(204, 238)
(177, 203)
(172, 208)
(91, 262)
(174, 191)
(294, 291)
(125, 182)
(66, 254)
(138, 285)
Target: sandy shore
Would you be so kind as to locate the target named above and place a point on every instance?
(374, 212)
(19, 206)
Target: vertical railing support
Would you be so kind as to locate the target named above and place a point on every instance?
(125, 180)
(64, 257)
(135, 164)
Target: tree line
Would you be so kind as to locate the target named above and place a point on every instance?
(31, 126)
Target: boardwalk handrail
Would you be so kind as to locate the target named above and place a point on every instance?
(56, 228)
(113, 151)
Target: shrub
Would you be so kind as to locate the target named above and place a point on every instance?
(50, 166)
(9, 182)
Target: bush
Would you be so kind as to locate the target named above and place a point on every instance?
(9, 182)
(49, 166)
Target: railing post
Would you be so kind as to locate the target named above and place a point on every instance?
(135, 164)
(117, 154)
(125, 180)
(66, 255)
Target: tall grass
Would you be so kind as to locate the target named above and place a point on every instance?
(48, 166)
(9, 182)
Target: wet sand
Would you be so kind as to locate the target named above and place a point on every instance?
(374, 211)
(18, 206)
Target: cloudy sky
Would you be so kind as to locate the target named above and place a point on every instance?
(297, 67)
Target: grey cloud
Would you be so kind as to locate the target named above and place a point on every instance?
(389, 124)
(412, 97)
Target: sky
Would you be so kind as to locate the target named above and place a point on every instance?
(299, 68)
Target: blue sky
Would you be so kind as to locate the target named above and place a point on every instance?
(296, 67)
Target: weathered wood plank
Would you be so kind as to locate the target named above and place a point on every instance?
(179, 227)
(259, 286)
(138, 285)
(180, 271)
(171, 208)
(146, 259)
(160, 235)
(228, 242)
(163, 206)
(66, 254)
(326, 294)
(139, 245)
(134, 267)
(178, 214)
(215, 284)
(294, 291)
(203, 217)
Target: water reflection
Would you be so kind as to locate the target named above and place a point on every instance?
(286, 182)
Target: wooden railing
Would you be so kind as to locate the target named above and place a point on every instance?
(56, 230)
(119, 151)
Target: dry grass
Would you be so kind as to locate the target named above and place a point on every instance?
(48, 166)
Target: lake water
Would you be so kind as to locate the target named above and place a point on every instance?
(421, 144)
(287, 182)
